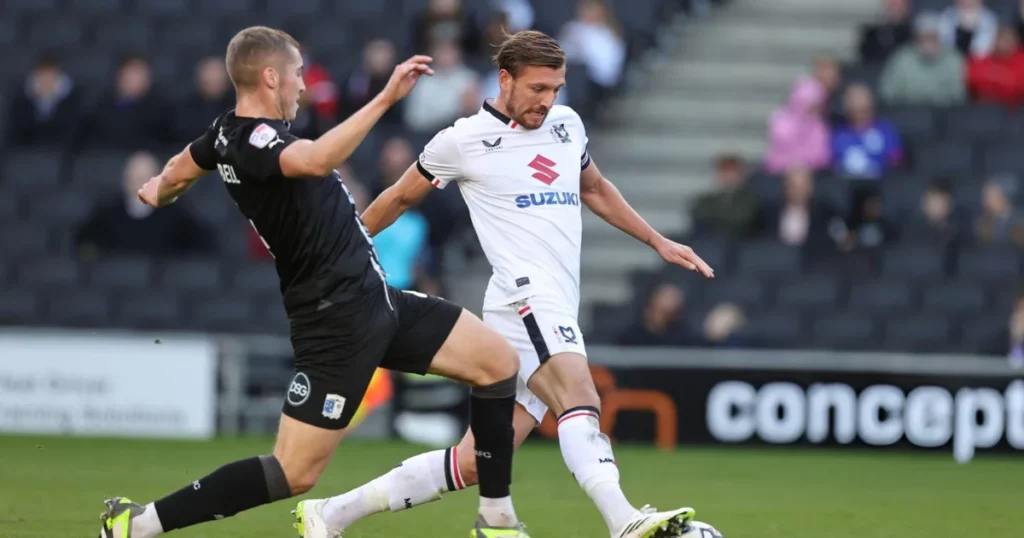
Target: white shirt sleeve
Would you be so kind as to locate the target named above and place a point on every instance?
(441, 160)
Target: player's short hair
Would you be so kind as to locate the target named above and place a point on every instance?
(528, 47)
(248, 52)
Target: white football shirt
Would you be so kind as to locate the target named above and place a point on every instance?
(522, 188)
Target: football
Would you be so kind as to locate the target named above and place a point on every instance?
(698, 529)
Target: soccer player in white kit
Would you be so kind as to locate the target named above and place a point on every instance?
(523, 168)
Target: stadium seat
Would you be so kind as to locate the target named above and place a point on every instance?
(223, 313)
(79, 308)
(49, 273)
(189, 35)
(257, 278)
(20, 307)
(122, 274)
(882, 298)
(28, 171)
(716, 252)
(294, 8)
(549, 17)
(608, 322)
(963, 298)
(55, 33)
(989, 264)
(768, 258)
(902, 195)
(9, 209)
(928, 333)
(327, 35)
(267, 315)
(94, 7)
(33, 7)
(777, 328)
(975, 122)
(124, 33)
(362, 10)
(8, 32)
(63, 210)
(914, 123)
(150, 310)
(23, 240)
(914, 262)
(198, 276)
(835, 191)
(162, 8)
(812, 293)
(986, 335)
(1004, 158)
(98, 172)
(844, 332)
(92, 68)
(932, 159)
(226, 7)
(746, 291)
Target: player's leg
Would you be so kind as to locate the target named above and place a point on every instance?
(563, 382)
(333, 366)
(439, 337)
(421, 479)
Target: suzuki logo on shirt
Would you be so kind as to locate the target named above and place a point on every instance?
(545, 169)
(547, 198)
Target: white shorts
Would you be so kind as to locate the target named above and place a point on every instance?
(538, 328)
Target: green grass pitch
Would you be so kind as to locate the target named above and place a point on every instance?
(52, 487)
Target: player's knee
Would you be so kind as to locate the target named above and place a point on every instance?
(503, 363)
(301, 473)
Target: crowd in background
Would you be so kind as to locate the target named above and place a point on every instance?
(836, 135)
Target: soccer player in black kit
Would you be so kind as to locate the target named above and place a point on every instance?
(345, 320)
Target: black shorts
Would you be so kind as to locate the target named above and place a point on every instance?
(337, 350)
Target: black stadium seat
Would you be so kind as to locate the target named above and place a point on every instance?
(769, 258)
(122, 274)
(943, 158)
(914, 123)
(49, 274)
(989, 264)
(963, 298)
(20, 307)
(813, 293)
(893, 297)
(31, 170)
(79, 308)
(778, 328)
(844, 332)
(973, 123)
(927, 333)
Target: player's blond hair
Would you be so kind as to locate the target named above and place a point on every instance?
(250, 50)
(529, 47)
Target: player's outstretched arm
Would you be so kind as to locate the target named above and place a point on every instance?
(317, 158)
(395, 200)
(180, 173)
(605, 200)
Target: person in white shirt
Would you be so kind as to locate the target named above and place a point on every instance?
(523, 168)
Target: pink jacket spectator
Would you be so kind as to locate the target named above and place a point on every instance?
(798, 133)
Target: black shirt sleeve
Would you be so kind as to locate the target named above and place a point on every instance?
(259, 154)
(202, 148)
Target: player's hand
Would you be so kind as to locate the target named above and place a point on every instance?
(150, 192)
(404, 77)
(682, 255)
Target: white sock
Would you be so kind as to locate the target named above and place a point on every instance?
(498, 512)
(418, 480)
(588, 455)
(147, 524)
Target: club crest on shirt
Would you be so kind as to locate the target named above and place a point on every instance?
(566, 335)
(560, 133)
(262, 135)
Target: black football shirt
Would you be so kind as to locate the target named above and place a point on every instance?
(322, 250)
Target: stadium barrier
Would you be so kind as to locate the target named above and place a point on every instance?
(960, 404)
(110, 384)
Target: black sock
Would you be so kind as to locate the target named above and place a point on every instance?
(490, 418)
(235, 487)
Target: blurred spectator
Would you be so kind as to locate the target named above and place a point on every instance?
(925, 72)
(212, 96)
(732, 209)
(802, 220)
(939, 221)
(47, 109)
(828, 73)
(369, 79)
(798, 135)
(402, 245)
(126, 225)
(878, 41)
(436, 101)
(864, 147)
(970, 27)
(999, 77)
(867, 228)
(1000, 222)
(321, 93)
(595, 40)
(519, 13)
(722, 324)
(132, 115)
(446, 21)
(661, 323)
(1016, 333)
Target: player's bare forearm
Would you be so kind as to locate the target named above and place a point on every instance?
(180, 173)
(605, 200)
(336, 145)
(395, 200)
